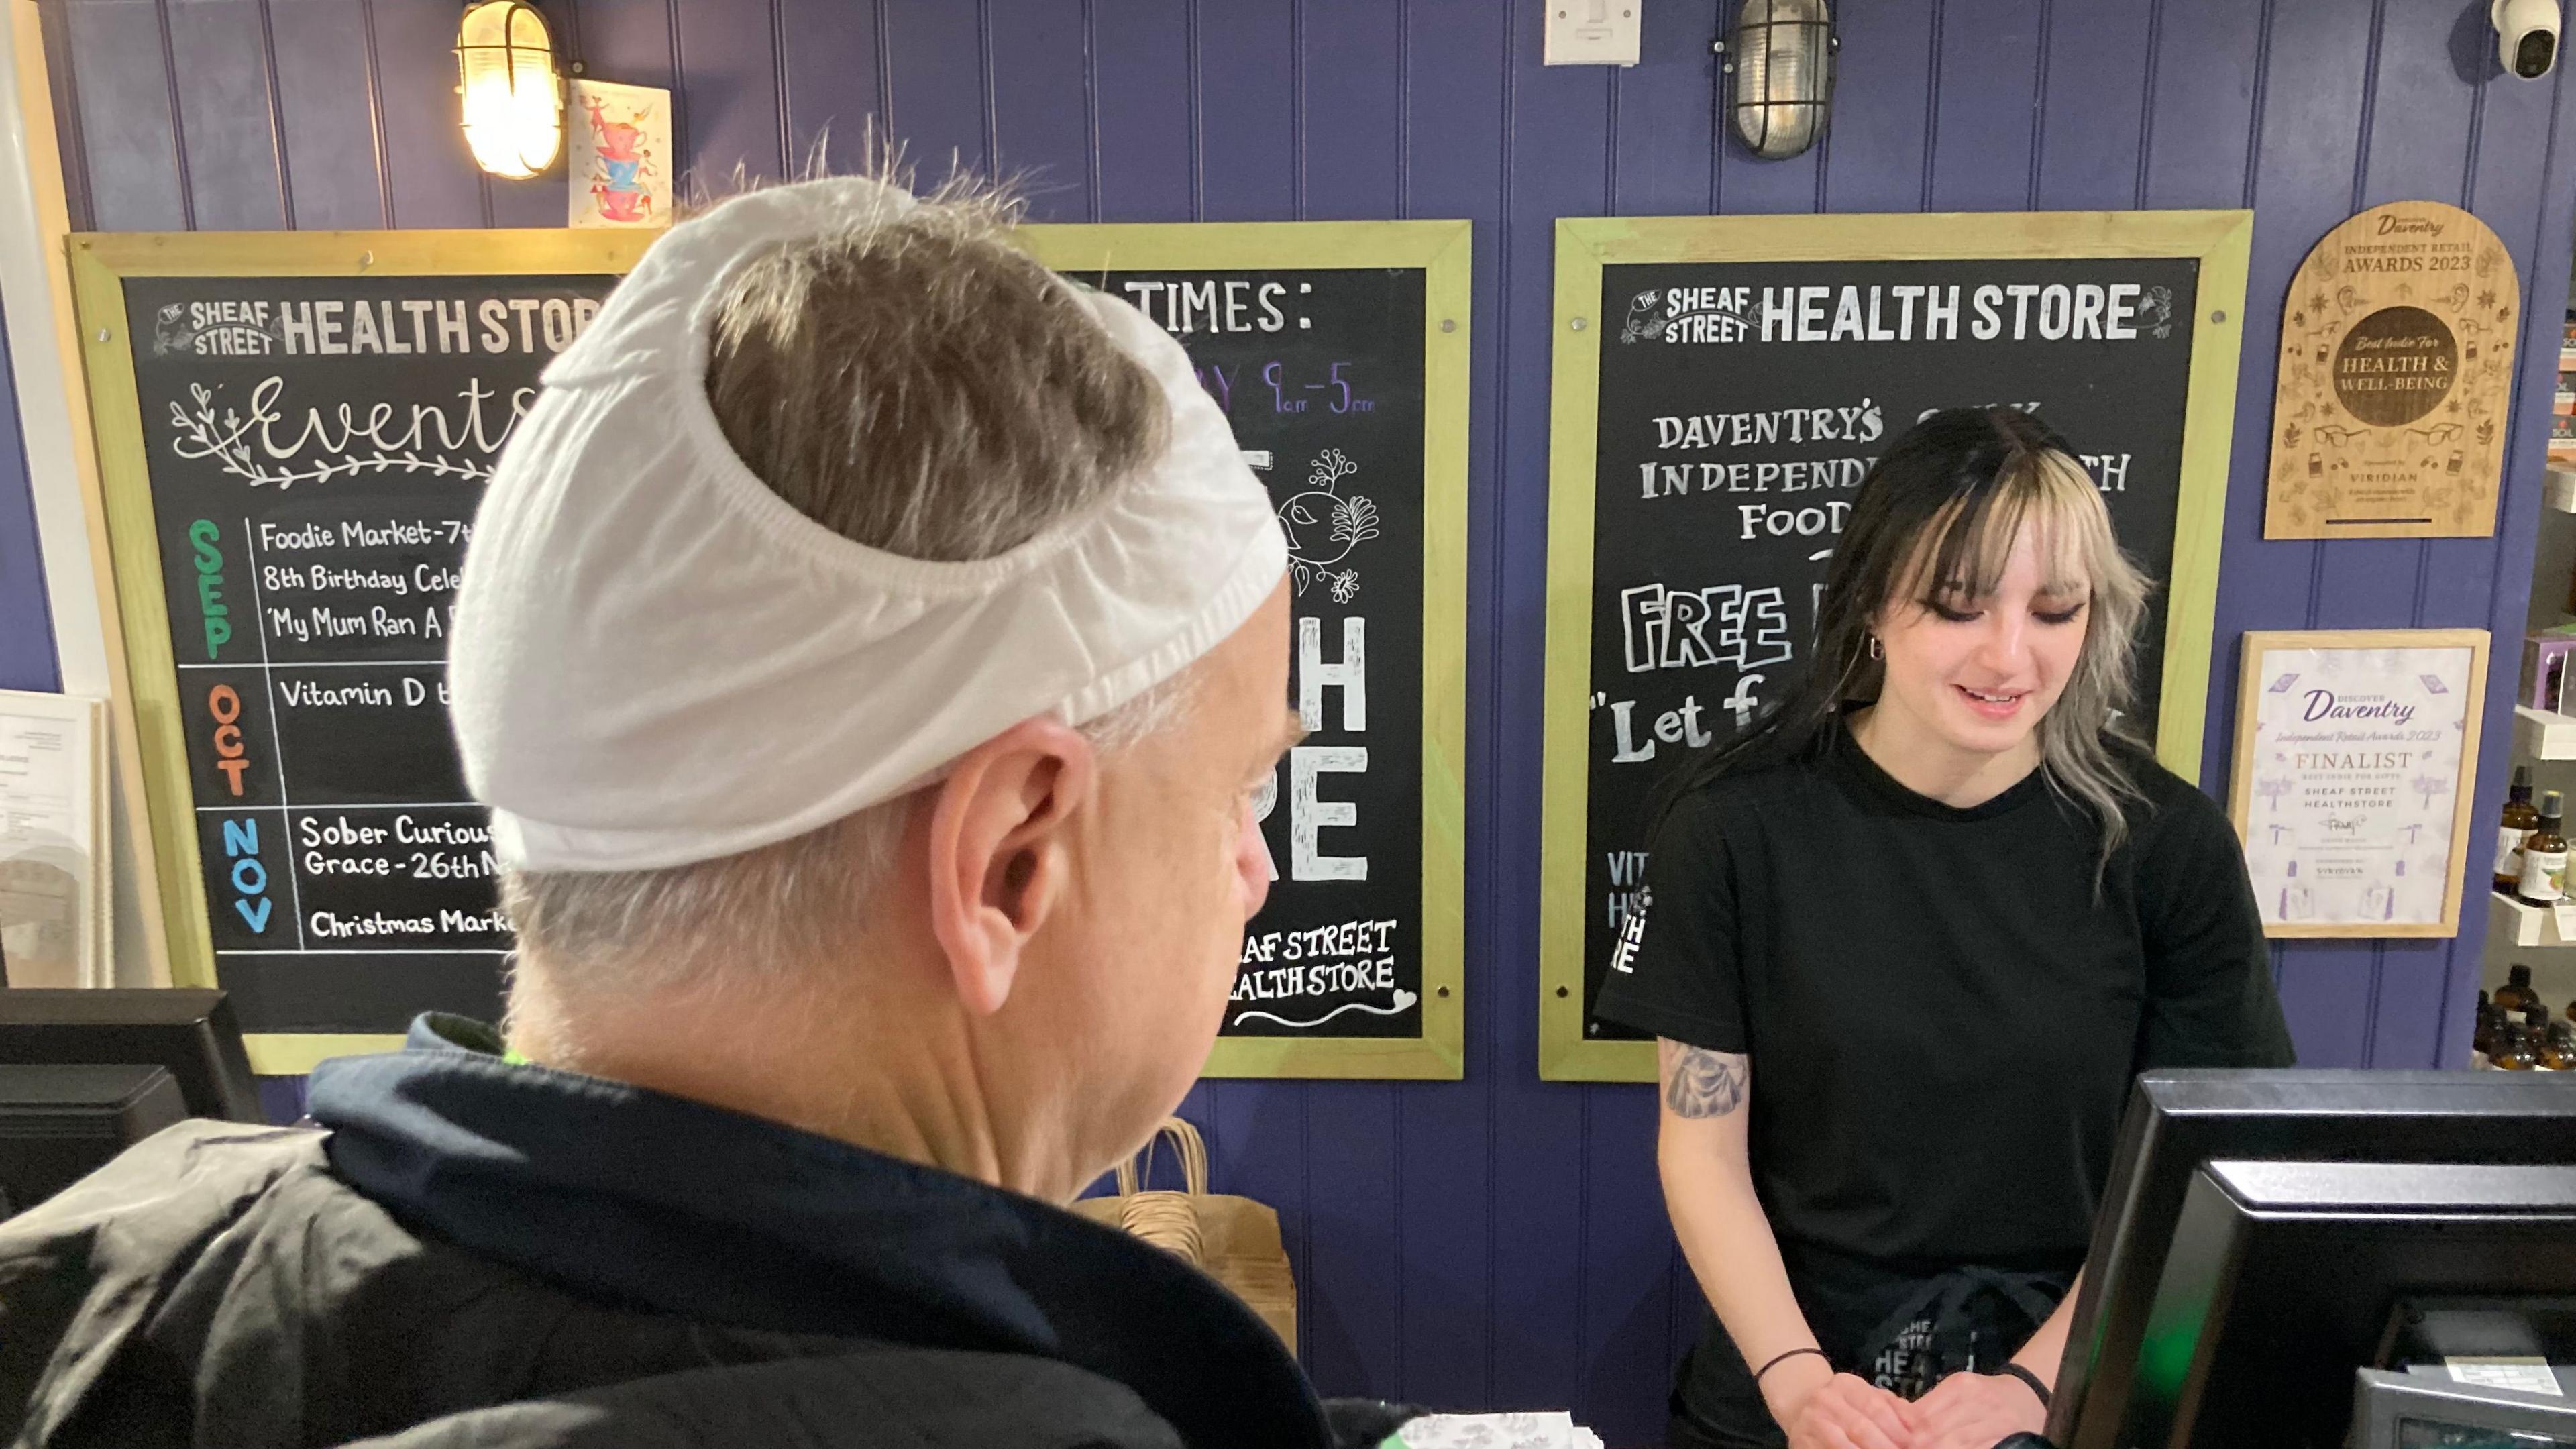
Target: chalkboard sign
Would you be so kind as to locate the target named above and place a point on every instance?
(294, 433)
(1722, 387)
(1338, 352)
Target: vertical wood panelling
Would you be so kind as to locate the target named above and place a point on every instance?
(1143, 101)
(2309, 149)
(1985, 116)
(829, 78)
(1352, 1294)
(1879, 146)
(59, 73)
(1556, 164)
(221, 75)
(129, 140)
(2201, 113)
(1628, 1268)
(2093, 104)
(1663, 160)
(2418, 143)
(934, 52)
(27, 659)
(2205, 69)
(322, 72)
(729, 59)
(1350, 125)
(431, 178)
(1458, 54)
(1040, 83)
(1248, 146)
(1496, 1241)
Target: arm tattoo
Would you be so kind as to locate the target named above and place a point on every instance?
(1703, 1083)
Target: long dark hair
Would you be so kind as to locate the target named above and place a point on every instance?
(1941, 510)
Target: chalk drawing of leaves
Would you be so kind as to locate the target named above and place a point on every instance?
(1346, 585)
(1302, 573)
(1354, 520)
(225, 441)
(1331, 467)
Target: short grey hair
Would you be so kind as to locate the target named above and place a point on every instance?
(919, 385)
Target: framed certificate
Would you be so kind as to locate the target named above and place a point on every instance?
(2355, 750)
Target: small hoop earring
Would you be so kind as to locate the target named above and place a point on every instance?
(1875, 652)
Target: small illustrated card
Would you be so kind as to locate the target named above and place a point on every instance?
(2356, 756)
(620, 139)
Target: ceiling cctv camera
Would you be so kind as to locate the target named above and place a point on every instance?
(2526, 35)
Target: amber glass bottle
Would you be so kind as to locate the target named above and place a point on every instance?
(2515, 1052)
(2483, 1040)
(2519, 821)
(2544, 855)
(2558, 1046)
(2516, 992)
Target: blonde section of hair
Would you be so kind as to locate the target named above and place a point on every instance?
(920, 385)
(1966, 551)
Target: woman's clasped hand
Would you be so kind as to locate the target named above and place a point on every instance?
(1963, 1411)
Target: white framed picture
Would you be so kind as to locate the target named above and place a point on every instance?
(2356, 753)
(620, 166)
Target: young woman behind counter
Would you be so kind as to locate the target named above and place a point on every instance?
(1951, 911)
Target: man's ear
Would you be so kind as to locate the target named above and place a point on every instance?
(999, 847)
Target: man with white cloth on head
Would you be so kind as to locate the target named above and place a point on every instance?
(870, 649)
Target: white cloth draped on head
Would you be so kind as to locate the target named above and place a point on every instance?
(657, 660)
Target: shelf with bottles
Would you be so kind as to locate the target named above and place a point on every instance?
(2521, 1025)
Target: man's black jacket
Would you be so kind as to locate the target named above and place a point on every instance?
(470, 1252)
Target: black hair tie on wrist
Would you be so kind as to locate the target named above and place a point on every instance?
(2026, 1376)
(1784, 1358)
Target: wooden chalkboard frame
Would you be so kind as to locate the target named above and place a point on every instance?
(1442, 250)
(101, 263)
(2219, 239)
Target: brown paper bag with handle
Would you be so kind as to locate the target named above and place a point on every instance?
(1232, 1239)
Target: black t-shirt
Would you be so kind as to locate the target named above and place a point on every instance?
(1943, 1014)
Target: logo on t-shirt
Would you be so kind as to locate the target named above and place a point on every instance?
(1632, 933)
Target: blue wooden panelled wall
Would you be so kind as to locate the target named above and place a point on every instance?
(26, 617)
(1497, 1241)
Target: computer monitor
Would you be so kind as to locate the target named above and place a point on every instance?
(2179, 1121)
(190, 1034)
(2286, 1278)
(59, 1124)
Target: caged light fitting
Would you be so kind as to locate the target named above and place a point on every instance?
(513, 99)
(1781, 55)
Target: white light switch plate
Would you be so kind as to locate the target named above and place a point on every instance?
(1592, 32)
